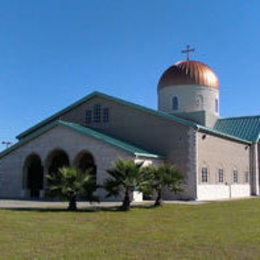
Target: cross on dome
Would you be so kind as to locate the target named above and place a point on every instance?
(187, 51)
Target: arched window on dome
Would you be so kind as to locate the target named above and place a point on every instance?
(175, 103)
(216, 105)
(200, 103)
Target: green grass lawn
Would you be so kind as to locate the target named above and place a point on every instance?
(224, 230)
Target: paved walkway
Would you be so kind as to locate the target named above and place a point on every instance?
(20, 204)
(37, 204)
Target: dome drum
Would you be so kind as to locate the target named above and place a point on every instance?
(188, 86)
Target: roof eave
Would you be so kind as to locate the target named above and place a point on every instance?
(149, 155)
(28, 138)
(128, 148)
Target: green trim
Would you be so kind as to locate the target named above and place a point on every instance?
(105, 96)
(87, 132)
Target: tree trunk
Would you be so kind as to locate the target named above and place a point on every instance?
(126, 203)
(72, 204)
(158, 201)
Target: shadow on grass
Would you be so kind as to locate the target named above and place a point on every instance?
(92, 209)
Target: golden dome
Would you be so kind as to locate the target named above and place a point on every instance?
(188, 73)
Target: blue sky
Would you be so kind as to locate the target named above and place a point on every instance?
(55, 52)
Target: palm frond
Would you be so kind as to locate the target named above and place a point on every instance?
(69, 182)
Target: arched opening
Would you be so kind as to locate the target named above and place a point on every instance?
(33, 175)
(84, 161)
(200, 102)
(216, 105)
(57, 159)
(175, 103)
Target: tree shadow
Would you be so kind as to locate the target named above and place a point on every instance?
(91, 209)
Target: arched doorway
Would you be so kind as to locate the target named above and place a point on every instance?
(84, 161)
(56, 160)
(33, 177)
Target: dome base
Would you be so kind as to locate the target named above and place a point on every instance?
(200, 117)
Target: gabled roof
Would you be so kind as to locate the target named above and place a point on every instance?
(108, 97)
(247, 127)
(160, 114)
(131, 149)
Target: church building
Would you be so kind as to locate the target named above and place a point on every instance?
(220, 157)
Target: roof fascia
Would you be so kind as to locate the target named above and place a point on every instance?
(28, 138)
(111, 98)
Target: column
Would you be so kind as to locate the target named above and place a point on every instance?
(254, 170)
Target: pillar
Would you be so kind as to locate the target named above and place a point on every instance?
(254, 170)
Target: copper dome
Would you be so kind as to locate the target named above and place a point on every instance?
(188, 72)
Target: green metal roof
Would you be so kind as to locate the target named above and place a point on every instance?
(87, 132)
(211, 131)
(160, 114)
(247, 128)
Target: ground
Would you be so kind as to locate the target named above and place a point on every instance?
(229, 230)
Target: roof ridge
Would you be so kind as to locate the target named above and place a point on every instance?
(239, 117)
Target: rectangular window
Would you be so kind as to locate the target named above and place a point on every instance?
(235, 176)
(246, 177)
(204, 176)
(220, 176)
(105, 115)
(97, 113)
(88, 116)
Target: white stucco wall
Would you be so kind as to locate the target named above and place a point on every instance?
(219, 191)
(240, 191)
(189, 97)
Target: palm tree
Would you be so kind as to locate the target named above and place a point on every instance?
(69, 183)
(161, 177)
(125, 177)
